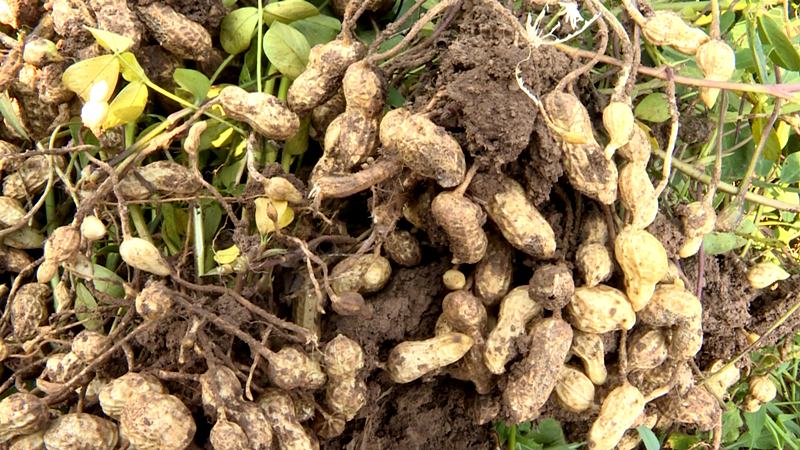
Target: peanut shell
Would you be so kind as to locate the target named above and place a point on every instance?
(368, 274)
(175, 32)
(516, 309)
(227, 435)
(155, 421)
(81, 431)
(21, 414)
(697, 408)
(29, 309)
(413, 359)
(620, 409)
(279, 411)
(154, 301)
(600, 309)
(644, 262)
(267, 114)
(590, 349)
(668, 28)
(569, 119)
(463, 221)
(765, 274)
(636, 193)
(552, 286)
(403, 248)
(716, 61)
(115, 394)
(492, 276)
(590, 172)
(574, 390)
(619, 122)
(290, 368)
(647, 348)
(595, 263)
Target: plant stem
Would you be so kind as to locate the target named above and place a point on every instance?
(512, 437)
(199, 238)
(713, 31)
(139, 222)
(269, 88)
(222, 67)
(259, 43)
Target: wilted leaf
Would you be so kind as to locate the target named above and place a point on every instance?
(653, 108)
(112, 289)
(81, 76)
(127, 106)
(236, 30)
(111, 41)
(287, 49)
(7, 111)
(318, 29)
(193, 81)
(288, 11)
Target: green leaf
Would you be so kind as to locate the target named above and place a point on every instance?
(731, 423)
(236, 30)
(130, 68)
(127, 106)
(84, 298)
(287, 49)
(785, 54)
(7, 111)
(193, 81)
(717, 243)
(212, 217)
(772, 150)
(112, 289)
(318, 29)
(653, 108)
(790, 171)
(678, 441)
(395, 98)
(288, 11)
(649, 438)
(81, 76)
(755, 426)
(110, 41)
(298, 144)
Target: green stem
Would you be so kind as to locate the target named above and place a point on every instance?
(512, 437)
(139, 222)
(286, 162)
(283, 89)
(259, 43)
(221, 68)
(269, 87)
(50, 208)
(199, 239)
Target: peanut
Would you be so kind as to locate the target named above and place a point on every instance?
(494, 272)
(644, 262)
(590, 349)
(568, 118)
(280, 413)
(719, 383)
(267, 114)
(638, 149)
(368, 274)
(595, 263)
(141, 254)
(716, 61)
(516, 309)
(619, 122)
(574, 390)
(698, 408)
(552, 286)
(154, 421)
(590, 172)
(411, 360)
(765, 274)
(636, 193)
(647, 348)
(175, 32)
(600, 309)
(667, 28)
(81, 430)
(462, 220)
(466, 314)
(698, 220)
(290, 368)
(403, 248)
(619, 411)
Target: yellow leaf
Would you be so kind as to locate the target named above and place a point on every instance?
(783, 131)
(131, 70)
(226, 256)
(264, 223)
(81, 76)
(111, 41)
(127, 106)
(222, 138)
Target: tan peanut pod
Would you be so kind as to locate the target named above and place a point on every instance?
(169, 178)
(574, 390)
(88, 345)
(424, 147)
(750, 404)
(282, 190)
(343, 357)
(660, 376)
(619, 122)
(141, 254)
(638, 149)
(466, 314)
(21, 414)
(719, 384)
(251, 418)
(368, 274)
(15, 260)
(644, 262)
(674, 305)
(93, 228)
(62, 244)
(717, 62)
(636, 193)
(673, 275)
(667, 28)
(324, 114)
(590, 172)
(647, 348)
(454, 280)
(227, 435)
(322, 78)
(594, 229)
(346, 396)
(631, 439)
(621, 408)
(595, 263)
(280, 413)
(569, 119)
(516, 309)
(411, 360)
(175, 32)
(154, 421)
(403, 248)
(290, 368)
(590, 349)
(219, 388)
(154, 301)
(520, 222)
(46, 271)
(765, 274)
(25, 238)
(698, 221)
(600, 309)
(29, 309)
(81, 431)
(530, 387)
(116, 393)
(30, 177)
(59, 369)
(33, 441)
(8, 149)
(267, 114)
(493, 274)
(552, 286)
(462, 220)
(697, 408)
(11, 212)
(762, 389)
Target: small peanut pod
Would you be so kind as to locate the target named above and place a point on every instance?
(698, 220)
(762, 388)
(21, 414)
(143, 255)
(529, 388)
(763, 275)
(29, 309)
(227, 435)
(552, 286)
(403, 248)
(116, 393)
(367, 274)
(326, 66)
(454, 280)
(30, 176)
(590, 349)
(697, 408)
(267, 114)
(520, 222)
(494, 272)
(81, 431)
(62, 244)
(619, 122)
(647, 348)
(423, 147)
(175, 32)
(569, 119)
(719, 384)
(290, 368)
(636, 193)
(574, 390)
(716, 61)
(516, 309)
(638, 149)
(411, 360)
(462, 220)
(251, 418)
(595, 263)
(620, 409)
(345, 394)
(590, 172)
(600, 309)
(644, 262)
(466, 314)
(280, 413)
(11, 212)
(594, 229)
(154, 421)
(673, 305)
(667, 28)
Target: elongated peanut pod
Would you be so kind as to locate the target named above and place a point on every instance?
(619, 412)
(668, 28)
(636, 193)
(516, 309)
(462, 220)
(413, 359)
(618, 120)
(644, 262)
(716, 61)
(590, 349)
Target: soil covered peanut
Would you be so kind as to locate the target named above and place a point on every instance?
(424, 147)
(30, 177)
(569, 119)
(763, 275)
(154, 301)
(552, 286)
(493, 274)
(697, 408)
(595, 263)
(367, 274)
(227, 435)
(519, 221)
(81, 431)
(411, 360)
(589, 348)
(15, 260)
(11, 212)
(403, 248)
(62, 244)
(644, 262)
(668, 28)
(698, 220)
(590, 172)
(636, 193)
(647, 348)
(462, 220)
(280, 413)
(116, 393)
(290, 368)
(88, 345)
(282, 190)
(531, 382)
(638, 149)
(324, 114)
(251, 418)
(155, 421)
(574, 390)
(29, 309)
(516, 309)
(326, 66)
(620, 409)
(175, 32)
(674, 305)
(267, 114)
(170, 179)
(219, 388)
(466, 314)
(600, 309)
(345, 393)
(21, 414)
